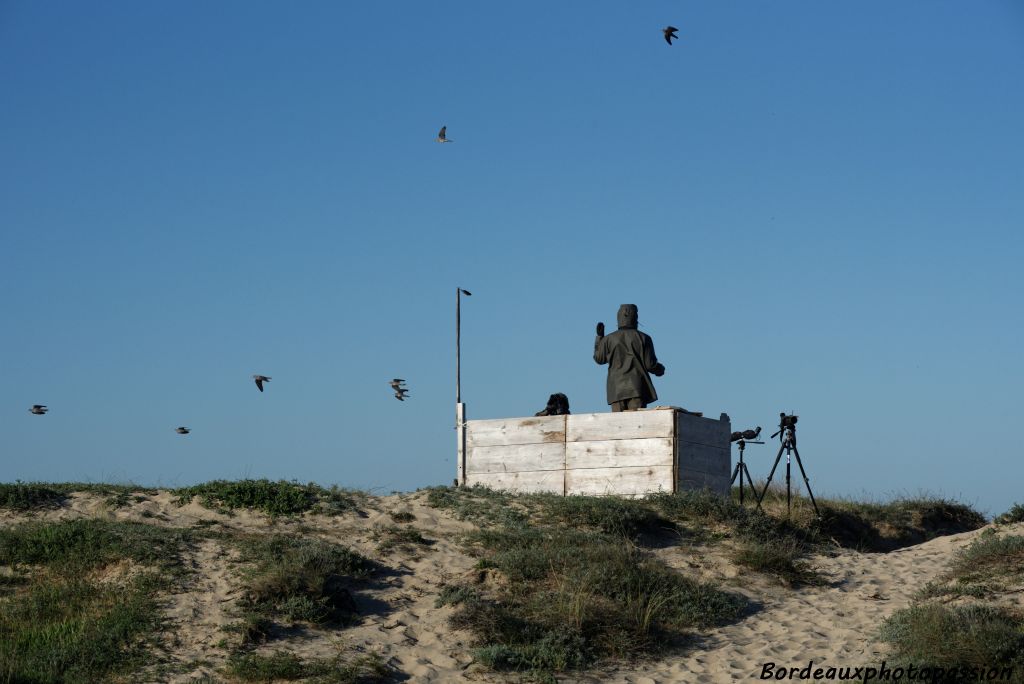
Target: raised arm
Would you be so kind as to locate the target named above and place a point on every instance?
(600, 350)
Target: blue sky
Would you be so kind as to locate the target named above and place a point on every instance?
(816, 206)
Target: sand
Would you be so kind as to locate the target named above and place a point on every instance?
(831, 625)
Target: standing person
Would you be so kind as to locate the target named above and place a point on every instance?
(629, 354)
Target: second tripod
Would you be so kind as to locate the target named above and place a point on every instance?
(787, 437)
(741, 471)
(743, 439)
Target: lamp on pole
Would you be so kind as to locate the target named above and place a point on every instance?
(460, 408)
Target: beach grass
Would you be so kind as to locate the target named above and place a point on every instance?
(291, 580)
(81, 604)
(275, 498)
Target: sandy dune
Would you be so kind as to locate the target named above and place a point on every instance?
(833, 624)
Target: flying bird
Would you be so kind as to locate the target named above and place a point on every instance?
(442, 136)
(260, 379)
(38, 409)
(183, 431)
(401, 393)
(396, 384)
(670, 33)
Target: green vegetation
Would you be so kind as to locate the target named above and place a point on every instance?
(402, 516)
(289, 667)
(568, 598)
(1014, 515)
(480, 505)
(22, 496)
(81, 605)
(297, 579)
(401, 538)
(989, 635)
(273, 498)
(27, 496)
(895, 524)
(985, 637)
(609, 514)
(991, 564)
(564, 584)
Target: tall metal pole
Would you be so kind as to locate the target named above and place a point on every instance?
(458, 345)
(460, 408)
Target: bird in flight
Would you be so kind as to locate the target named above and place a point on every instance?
(183, 431)
(670, 33)
(260, 379)
(400, 392)
(38, 409)
(442, 136)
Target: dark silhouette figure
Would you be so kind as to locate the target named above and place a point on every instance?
(630, 356)
(558, 405)
(670, 33)
(260, 379)
(38, 410)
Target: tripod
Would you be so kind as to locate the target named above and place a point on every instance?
(787, 437)
(741, 470)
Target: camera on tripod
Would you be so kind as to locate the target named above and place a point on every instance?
(746, 435)
(786, 421)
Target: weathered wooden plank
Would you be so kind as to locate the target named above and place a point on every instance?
(514, 458)
(619, 453)
(621, 481)
(525, 482)
(698, 430)
(581, 427)
(504, 431)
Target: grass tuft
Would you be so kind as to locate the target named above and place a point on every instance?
(298, 580)
(1014, 515)
(609, 514)
(985, 637)
(401, 538)
(574, 597)
(22, 496)
(273, 498)
(281, 665)
(480, 505)
(84, 609)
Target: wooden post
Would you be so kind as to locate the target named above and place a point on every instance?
(460, 444)
(675, 451)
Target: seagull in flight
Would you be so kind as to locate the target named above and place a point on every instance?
(442, 136)
(38, 410)
(670, 33)
(401, 394)
(183, 431)
(260, 379)
(396, 384)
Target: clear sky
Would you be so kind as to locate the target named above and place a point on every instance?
(816, 206)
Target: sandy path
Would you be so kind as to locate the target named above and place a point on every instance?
(833, 625)
(201, 612)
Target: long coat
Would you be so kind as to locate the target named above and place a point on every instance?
(630, 356)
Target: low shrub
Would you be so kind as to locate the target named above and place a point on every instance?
(985, 638)
(297, 579)
(273, 498)
(22, 496)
